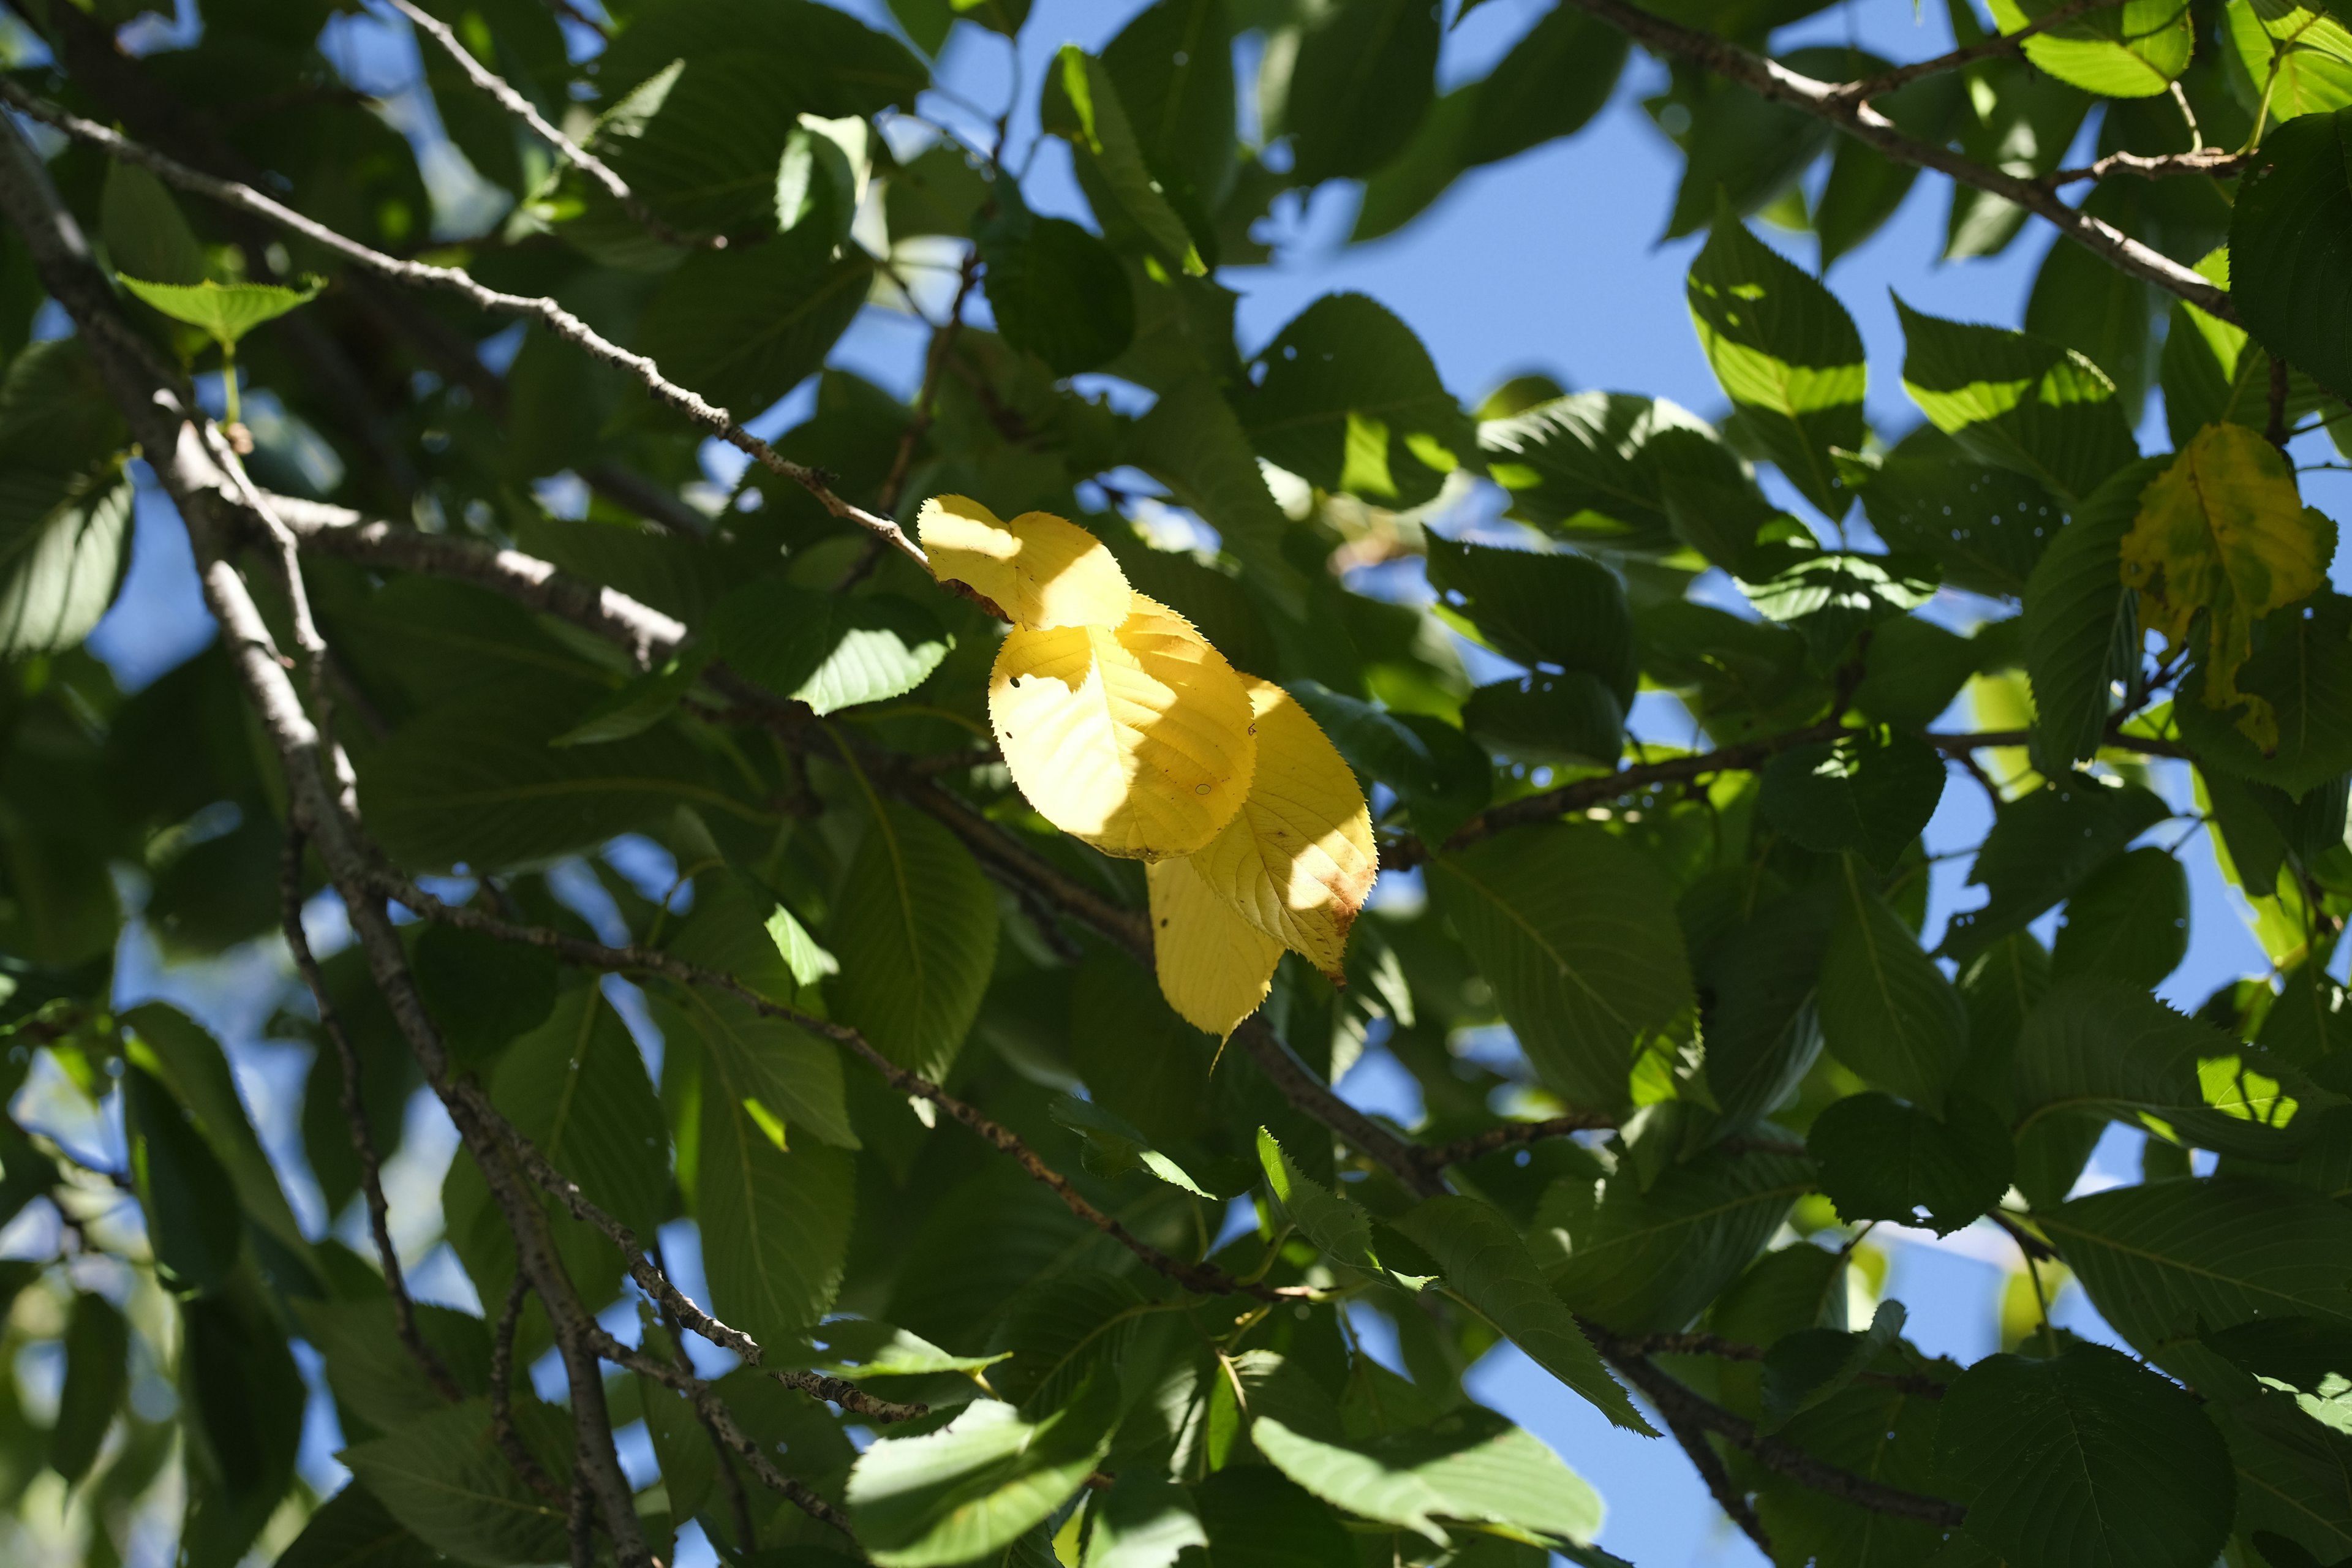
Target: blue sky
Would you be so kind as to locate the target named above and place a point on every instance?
(1549, 262)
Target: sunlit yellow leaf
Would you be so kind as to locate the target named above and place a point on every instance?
(1039, 570)
(1214, 966)
(1136, 740)
(1297, 860)
(2224, 531)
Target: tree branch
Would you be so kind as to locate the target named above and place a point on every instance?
(1509, 1135)
(457, 280)
(2218, 161)
(1710, 1466)
(1856, 118)
(502, 1427)
(160, 411)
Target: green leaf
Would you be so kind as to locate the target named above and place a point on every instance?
(442, 1476)
(1425, 171)
(2301, 55)
(1058, 1332)
(915, 929)
(1255, 1517)
(1170, 68)
(2302, 669)
(785, 1217)
(576, 1087)
(2041, 848)
(475, 783)
(353, 1530)
(1471, 1465)
(863, 1348)
(1786, 354)
(2293, 216)
(1194, 442)
(482, 990)
(698, 142)
(1082, 104)
(1364, 77)
(1986, 526)
(1341, 1227)
(1887, 1010)
(1143, 1521)
(1865, 187)
(1743, 148)
(2017, 401)
(1870, 794)
(1811, 1366)
(2084, 301)
(2129, 920)
(1833, 597)
(1880, 1159)
(2082, 629)
(226, 310)
(2294, 1477)
(98, 1347)
(1591, 466)
(1140, 1061)
(1571, 717)
(1555, 79)
(2132, 50)
(1056, 290)
(977, 1485)
(1114, 1146)
(193, 1219)
(2086, 1461)
(821, 60)
(1757, 1014)
(827, 650)
(186, 1059)
(1440, 774)
(1560, 610)
(1637, 1260)
(244, 1398)
(1583, 983)
(146, 234)
(641, 702)
(2170, 1260)
(64, 547)
(372, 1373)
(1351, 400)
(2103, 1047)
(743, 326)
(1488, 1268)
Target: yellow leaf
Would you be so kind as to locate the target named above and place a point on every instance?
(1297, 860)
(2224, 531)
(1136, 740)
(1214, 966)
(1039, 570)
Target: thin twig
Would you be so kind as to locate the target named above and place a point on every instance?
(502, 1427)
(2218, 161)
(516, 104)
(894, 484)
(457, 280)
(1732, 1350)
(330, 1024)
(1710, 1466)
(1856, 117)
(1889, 80)
(1510, 1135)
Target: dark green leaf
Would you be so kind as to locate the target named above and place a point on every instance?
(98, 1347)
(1870, 794)
(1571, 717)
(742, 327)
(1886, 1011)
(827, 650)
(483, 991)
(2129, 920)
(1640, 1260)
(915, 929)
(2082, 629)
(1363, 79)
(1585, 980)
(1488, 1268)
(821, 60)
(1351, 402)
(353, 1530)
(2288, 233)
(1591, 466)
(2302, 668)
(1170, 65)
(2041, 848)
(1056, 290)
(1562, 610)
(1556, 77)
(1441, 777)
(1987, 526)
(444, 1478)
(1811, 1366)
(1255, 1517)
(2084, 1461)
(192, 1216)
(1882, 1160)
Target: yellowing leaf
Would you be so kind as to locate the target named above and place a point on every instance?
(1297, 860)
(1214, 966)
(1039, 570)
(1136, 740)
(2224, 531)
